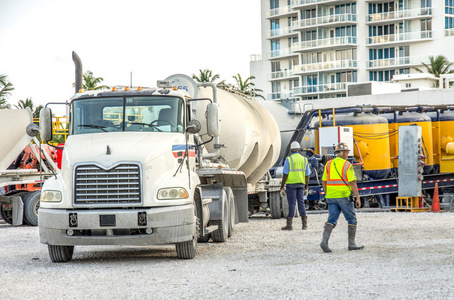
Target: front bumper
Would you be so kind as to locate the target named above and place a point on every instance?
(170, 225)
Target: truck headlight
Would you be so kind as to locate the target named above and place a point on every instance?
(172, 193)
(51, 196)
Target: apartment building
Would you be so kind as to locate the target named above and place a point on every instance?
(312, 49)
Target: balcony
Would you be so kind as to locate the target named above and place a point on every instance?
(303, 3)
(281, 75)
(324, 21)
(281, 32)
(321, 88)
(325, 66)
(397, 62)
(449, 32)
(280, 53)
(280, 11)
(419, 36)
(343, 41)
(279, 95)
(399, 14)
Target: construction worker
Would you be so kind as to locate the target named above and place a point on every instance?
(339, 181)
(296, 175)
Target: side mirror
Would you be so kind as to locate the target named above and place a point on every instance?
(32, 130)
(45, 124)
(213, 120)
(194, 126)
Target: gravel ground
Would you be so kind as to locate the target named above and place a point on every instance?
(406, 256)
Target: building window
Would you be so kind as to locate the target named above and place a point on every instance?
(426, 25)
(274, 4)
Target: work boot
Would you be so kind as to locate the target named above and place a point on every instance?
(289, 224)
(326, 235)
(304, 220)
(351, 238)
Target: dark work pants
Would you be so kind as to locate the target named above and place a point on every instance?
(295, 193)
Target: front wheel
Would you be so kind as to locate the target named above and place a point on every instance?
(60, 254)
(31, 206)
(188, 249)
(221, 234)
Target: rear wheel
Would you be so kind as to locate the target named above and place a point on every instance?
(59, 254)
(221, 234)
(284, 203)
(7, 215)
(31, 206)
(275, 205)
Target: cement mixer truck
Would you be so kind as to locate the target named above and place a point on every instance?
(20, 187)
(152, 166)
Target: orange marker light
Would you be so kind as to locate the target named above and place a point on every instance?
(127, 88)
(175, 88)
(139, 88)
(114, 89)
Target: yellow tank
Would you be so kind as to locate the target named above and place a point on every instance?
(443, 139)
(411, 118)
(371, 134)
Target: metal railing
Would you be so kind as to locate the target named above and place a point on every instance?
(280, 32)
(280, 74)
(324, 20)
(329, 65)
(397, 61)
(60, 126)
(399, 37)
(279, 95)
(400, 14)
(321, 88)
(279, 11)
(337, 41)
(279, 53)
(304, 2)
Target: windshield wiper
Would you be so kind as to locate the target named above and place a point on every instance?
(147, 124)
(94, 126)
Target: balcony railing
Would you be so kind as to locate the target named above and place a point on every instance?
(337, 41)
(280, 74)
(321, 88)
(449, 32)
(324, 20)
(322, 66)
(400, 14)
(304, 2)
(280, 32)
(399, 37)
(279, 53)
(280, 11)
(279, 95)
(397, 61)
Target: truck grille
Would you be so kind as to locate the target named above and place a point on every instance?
(96, 185)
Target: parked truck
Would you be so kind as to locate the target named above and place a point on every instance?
(151, 166)
(23, 167)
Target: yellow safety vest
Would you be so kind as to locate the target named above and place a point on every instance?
(336, 178)
(297, 169)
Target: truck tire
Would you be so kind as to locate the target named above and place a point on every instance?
(201, 238)
(232, 212)
(221, 234)
(188, 249)
(6, 214)
(275, 205)
(284, 203)
(59, 254)
(31, 206)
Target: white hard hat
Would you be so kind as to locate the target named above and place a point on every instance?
(295, 145)
(341, 147)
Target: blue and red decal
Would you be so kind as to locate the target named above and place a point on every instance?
(178, 151)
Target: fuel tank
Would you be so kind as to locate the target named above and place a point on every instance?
(443, 139)
(371, 135)
(399, 118)
(249, 133)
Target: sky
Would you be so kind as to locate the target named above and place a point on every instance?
(150, 38)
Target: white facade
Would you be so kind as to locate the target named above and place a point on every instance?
(311, 49)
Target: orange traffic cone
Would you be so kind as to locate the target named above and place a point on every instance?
(435, 200)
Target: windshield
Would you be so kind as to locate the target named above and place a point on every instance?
(138, 113)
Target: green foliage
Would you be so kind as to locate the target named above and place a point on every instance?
(247, 87)
(438, 66)
(205, 76)
(91, 83)
(21, 104)
(6, 88)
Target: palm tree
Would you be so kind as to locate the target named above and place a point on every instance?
(5, 88)
(438, 66)
(91, 83)
(205, 76)
(24, 104)
(247, 86)
(37, 110)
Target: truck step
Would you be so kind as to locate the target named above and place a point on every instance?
(211, 228)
